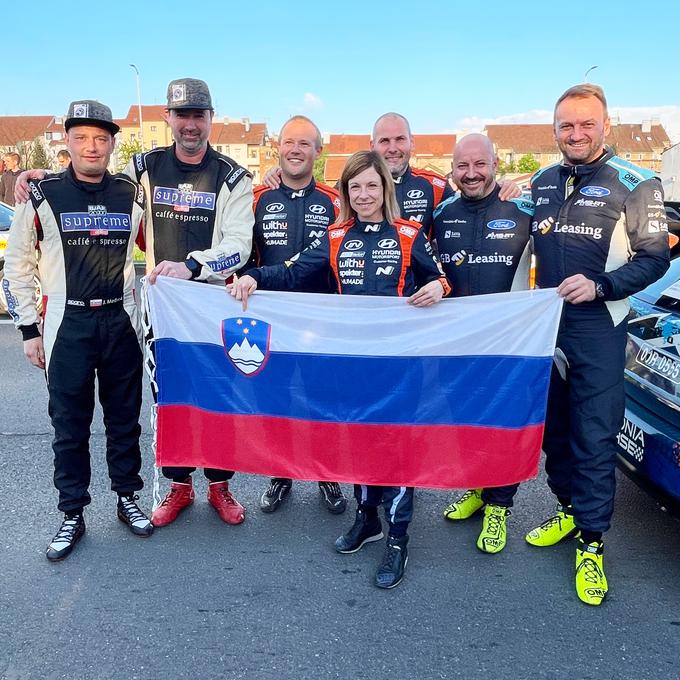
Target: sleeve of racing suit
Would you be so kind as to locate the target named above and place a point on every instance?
(21, 267)
(295, 272)
(424, 262)
(644, 215)
(233, 233)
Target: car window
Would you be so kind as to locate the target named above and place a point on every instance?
(672, 213)
(5, 217)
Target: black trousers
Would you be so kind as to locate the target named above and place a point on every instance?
(103, 342)
(500, 495)
(179, 474)
(585, 412)
(397, 503)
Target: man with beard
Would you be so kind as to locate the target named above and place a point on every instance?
(287, 221)
(598, 239)
(484, 247)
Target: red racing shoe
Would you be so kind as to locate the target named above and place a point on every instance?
(227, 507)
(180, 496)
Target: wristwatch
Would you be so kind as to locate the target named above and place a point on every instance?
(194, 267)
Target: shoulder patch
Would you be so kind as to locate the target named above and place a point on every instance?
(526, 205)
(235, 175)
(451, 199)
(629, 175)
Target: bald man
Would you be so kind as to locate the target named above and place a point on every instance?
(485, 247)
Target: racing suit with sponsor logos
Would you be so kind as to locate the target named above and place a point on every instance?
(287, 221)
(85, 233)
(365, 259)
(419, 192)
(202, 212)
(485, 247)
(603, 220)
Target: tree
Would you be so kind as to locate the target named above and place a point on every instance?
(38, 156)
(126, 150)
(320, 167)
(527, 163)
(506, 168)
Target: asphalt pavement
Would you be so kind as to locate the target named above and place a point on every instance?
(271, 599)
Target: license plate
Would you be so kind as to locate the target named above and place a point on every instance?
(662, 364)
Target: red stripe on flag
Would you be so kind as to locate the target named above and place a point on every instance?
(440, 456)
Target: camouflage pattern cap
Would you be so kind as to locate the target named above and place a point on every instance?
(90, 112)
(188, 93)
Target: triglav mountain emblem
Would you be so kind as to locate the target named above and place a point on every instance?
(246, 342)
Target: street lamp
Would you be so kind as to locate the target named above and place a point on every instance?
(585, 76)
(139, 107)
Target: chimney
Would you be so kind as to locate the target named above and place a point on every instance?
(246, 123)
(646, 126)
(656, 121)
(614, 120)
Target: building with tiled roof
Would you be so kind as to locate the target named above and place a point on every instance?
(247, 143)
(20, 134)
(641, 143)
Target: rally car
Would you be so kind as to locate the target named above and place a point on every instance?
(649, 441)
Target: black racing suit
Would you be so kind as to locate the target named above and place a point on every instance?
(419, 192)
(485, 247)
(600, 220)
(365, 259)
(199, 212)
(85, 233)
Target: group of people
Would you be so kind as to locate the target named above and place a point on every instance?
(590, 225)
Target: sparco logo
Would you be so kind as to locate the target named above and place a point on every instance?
(354, 245)
(274, 207)
(595, 191)
(317, 209)
(501, 225)
(415, 193)
(387, 243)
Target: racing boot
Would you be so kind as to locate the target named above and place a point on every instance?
(179, 496)
(332, 497)
(391, 570)
(364, 530)
(493, 536)
(591, 583)
(466, 506)
(70, 532)
(554, 529)
(276, 493)
(128, 512)
(228, 508)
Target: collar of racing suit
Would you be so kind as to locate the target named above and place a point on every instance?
(92, 187)
(370, 226)
(189, 167)
(479, 204)
(404, 176)
(298, 193)
(587, 169)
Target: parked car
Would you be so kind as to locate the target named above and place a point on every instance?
(673, 219)
(649, 441)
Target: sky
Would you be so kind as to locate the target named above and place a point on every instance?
(447, 66)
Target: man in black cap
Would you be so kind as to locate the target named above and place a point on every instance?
(199, 226)
(84, 221)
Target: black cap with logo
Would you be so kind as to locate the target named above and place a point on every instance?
(189, 93)
(90, 112)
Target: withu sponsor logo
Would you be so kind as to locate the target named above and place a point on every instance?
(501, 225)
(387, 243)
(274, 207)
(415, 193)
(354, 245)
(317, 209)
(594, 191)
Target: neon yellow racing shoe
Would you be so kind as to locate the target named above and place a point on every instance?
(466, 506)
(591, 583)
(493, 536)
(553, 530)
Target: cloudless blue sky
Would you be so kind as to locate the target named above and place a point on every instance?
(439, 63)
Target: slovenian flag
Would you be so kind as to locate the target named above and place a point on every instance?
(353, 388)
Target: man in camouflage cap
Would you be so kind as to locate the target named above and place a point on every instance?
(199, 226)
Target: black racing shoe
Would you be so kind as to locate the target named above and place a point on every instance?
(129, 513)
(70, 532)
(276, 493)
(364, 530)
(332, 497)
(391, 571)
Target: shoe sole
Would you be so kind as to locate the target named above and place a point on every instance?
(370, 539)
(157, 524)
(142, 533)
(65, 555)
(396, 583)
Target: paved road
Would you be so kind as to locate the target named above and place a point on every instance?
(271, 599)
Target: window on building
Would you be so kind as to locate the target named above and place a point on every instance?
(132, 137)
(153, 129)
(219, 148)
(253, 153)
(48, 136)
(154, 143)
(268, 155)
(627, 156)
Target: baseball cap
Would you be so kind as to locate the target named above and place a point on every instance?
(90, 112)
(188, 93)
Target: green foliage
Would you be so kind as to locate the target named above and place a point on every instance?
(319, 167)
(38, 156)
(506, 168)
(126, 150)
(527, 163)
